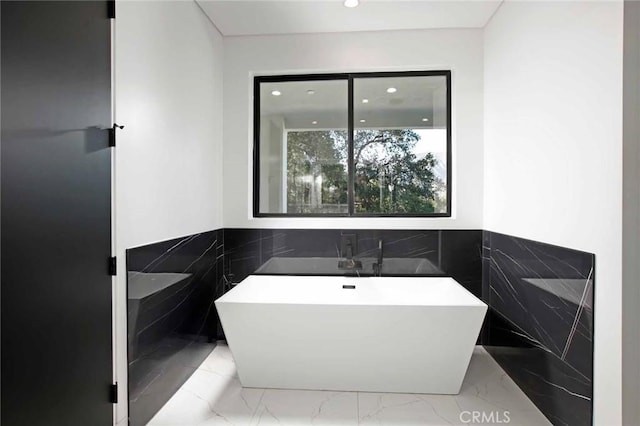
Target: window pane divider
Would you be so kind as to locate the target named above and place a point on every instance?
(350, 161)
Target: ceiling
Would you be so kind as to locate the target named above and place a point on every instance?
(244, 17)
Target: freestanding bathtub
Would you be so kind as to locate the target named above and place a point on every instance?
(387, 334)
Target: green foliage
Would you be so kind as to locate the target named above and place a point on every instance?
(311, 154)
(389, 177)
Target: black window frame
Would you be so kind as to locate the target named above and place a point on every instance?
(349, 77)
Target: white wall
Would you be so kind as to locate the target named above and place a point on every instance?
(553, 149)
(168, 94)
(458, 50)
(631, 217)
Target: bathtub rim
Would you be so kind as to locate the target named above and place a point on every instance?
(469, 300)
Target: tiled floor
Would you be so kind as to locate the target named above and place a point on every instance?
(214, 396)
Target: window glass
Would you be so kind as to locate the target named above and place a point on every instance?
(303, 147)
(384, 138)
(400, 145)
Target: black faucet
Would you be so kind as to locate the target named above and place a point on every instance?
(377, 267)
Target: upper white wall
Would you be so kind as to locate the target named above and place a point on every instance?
(169, 97)
(553, 149)
(168, 172)
(457, 50)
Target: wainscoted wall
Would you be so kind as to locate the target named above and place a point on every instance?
(540, 325)
(171, 286)
(455, 253)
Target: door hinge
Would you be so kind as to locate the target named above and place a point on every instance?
(113, 266)
(112, 134)
(113, 393)
(111, 9)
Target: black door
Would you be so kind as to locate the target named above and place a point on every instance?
(56, 213)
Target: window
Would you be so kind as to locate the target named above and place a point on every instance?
(375, 144)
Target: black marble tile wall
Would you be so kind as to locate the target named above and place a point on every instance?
(455, 253)
(172, 326)
(540, 322)
(539, 326)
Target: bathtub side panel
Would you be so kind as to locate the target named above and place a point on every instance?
(364, 348)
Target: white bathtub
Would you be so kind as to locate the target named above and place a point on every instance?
(413, 335)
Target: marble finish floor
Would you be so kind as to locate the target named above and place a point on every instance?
(213, 396)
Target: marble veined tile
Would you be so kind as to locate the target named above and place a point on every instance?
(220, 362)
(488, 385)
(487, 391)
(395, 409)
(171, 319)
(488, 388)
(213, 396)
(303, 407)
(540, 318)
(209, 399)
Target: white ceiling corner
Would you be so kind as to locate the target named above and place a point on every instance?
(265, 17)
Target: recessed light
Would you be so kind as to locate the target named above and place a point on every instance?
(363, 121)
(392, 90)
(365, 101)
(425, 119)
(310, 92)
(351, 3)
(276, 93)
(314, 122)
